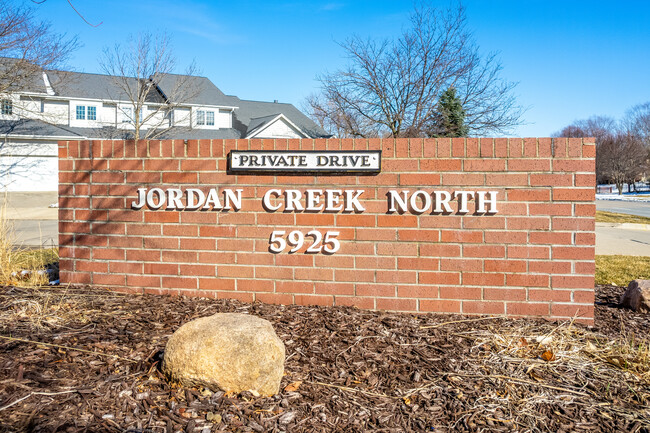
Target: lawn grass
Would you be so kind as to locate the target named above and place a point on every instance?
(620, 270)
(611, 217)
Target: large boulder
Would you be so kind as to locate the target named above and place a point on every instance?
(637, 296)
(228, 351)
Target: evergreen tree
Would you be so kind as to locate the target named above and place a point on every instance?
(450, 116)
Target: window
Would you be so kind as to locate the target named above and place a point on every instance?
(200, 117)
(128, 114)
(92, 113)
(7, 107)
(81, 112)
(210, 118)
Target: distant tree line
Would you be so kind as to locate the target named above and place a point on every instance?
(622, 147)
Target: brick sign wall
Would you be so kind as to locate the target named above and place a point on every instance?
(384, 241)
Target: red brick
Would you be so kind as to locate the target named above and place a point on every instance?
(551, 238)
(488, 251)
(529, 195)
(395, 304)
(527, 280)
(330, 288)
(574, 194)
(573, 253)
(572, 282)
(274, 298)
(294, 287)
(461, 264)
(504, 294)
(441, 165)
(529, 165)
(482, 278)
(314, 300)
(484, 165)
(505, 266)
(442, 305)
(465, 236)
(549, 267)
(549, 295)
(527, 309)
(483, 307)
(460, 292)
(422, 179)
(109, 280)
(555, 179)
(353, 301)
(448, 278)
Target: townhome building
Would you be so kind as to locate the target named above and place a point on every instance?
(62, 105)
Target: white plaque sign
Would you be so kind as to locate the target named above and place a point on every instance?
(261, 161)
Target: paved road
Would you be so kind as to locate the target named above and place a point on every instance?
(626, 207)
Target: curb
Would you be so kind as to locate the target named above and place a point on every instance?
(625, 226)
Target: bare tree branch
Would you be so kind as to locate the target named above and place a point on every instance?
(137, 70)
(392, 87)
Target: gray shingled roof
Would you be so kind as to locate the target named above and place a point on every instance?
(248, 111)
(179, 133)
(194, 90)
(23, 76)
(95, 86)
(36, 127)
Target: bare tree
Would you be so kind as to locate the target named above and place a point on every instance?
(598, 127)
(27, 47)
(392, 87)
(138, 70)
(637, 122)
(621, 158)
(602, 128)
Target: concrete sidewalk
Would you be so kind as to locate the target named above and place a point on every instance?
(623, 239)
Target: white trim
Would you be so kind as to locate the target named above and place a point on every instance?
(115, 101)
(45, 137)
(264, 126)
(48, 87)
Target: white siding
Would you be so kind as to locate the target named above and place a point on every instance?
(223, 118)
(56, 111)
(279, 129)
(33, 166)
(182, 117)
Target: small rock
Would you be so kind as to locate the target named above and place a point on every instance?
(637, 296)
(287, 417)
(231, 352)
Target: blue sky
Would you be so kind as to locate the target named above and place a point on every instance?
(572, 59)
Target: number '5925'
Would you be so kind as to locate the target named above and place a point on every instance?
(296, 239)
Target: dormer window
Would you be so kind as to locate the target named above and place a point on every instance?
(205, 117)
(92, 113)
(81, 112)
(7, 107)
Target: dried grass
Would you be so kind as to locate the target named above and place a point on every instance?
(20, 266)
(619, 218)
(620, 270)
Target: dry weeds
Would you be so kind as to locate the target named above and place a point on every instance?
(21, 266)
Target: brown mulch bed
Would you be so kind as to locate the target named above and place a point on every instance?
(347, 370)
